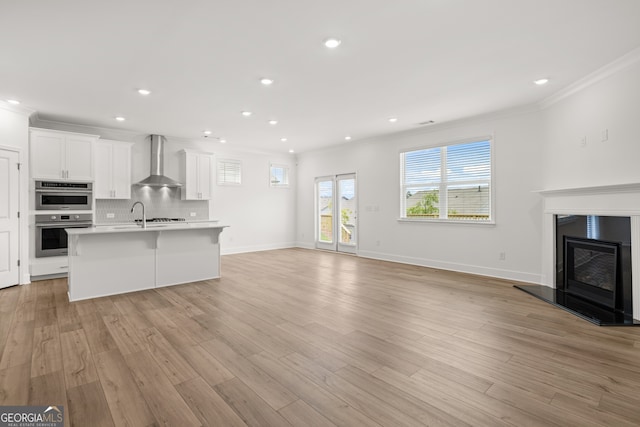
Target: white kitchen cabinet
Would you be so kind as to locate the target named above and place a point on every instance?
(197, 175)
(113, 169)
(61, 155)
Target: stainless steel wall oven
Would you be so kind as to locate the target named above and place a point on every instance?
(53, 195)
(51, 239)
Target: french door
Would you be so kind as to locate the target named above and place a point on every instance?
(336, 213)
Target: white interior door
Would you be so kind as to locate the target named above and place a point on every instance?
(336, 213)
(9, 223)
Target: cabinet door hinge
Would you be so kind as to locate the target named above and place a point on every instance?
(18, 164)
(18, 263)
(18, 214)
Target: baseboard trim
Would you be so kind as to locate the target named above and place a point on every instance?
(451, 266)
(256, 248)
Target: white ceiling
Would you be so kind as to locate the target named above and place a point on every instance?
(80, 61)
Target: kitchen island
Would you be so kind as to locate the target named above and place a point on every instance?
(111, 260)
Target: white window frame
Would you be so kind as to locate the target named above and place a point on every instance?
(230, 162)
(287, 174)
(443, 184)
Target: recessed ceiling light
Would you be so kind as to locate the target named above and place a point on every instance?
(273, 122)
(207, 132)
(120, 119)
(291, 150)
(332, 43)
(246, 113)
(348, 138)
(13, 101)
(393, 119)
(223, 141)
(266, 81)
(283, 139)
(144, 92)
(541, 82)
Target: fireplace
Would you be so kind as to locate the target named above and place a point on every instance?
(591, 270)
(593, 263)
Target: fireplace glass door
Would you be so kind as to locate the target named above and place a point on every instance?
(591, 269)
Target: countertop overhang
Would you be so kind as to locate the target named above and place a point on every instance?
(134, 228)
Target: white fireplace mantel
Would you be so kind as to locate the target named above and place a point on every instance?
(604, 200)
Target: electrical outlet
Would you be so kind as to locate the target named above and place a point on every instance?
(502, 256)
(192, 214)
(377, 242)
(583, 141)
(605, 135)
(111, 216)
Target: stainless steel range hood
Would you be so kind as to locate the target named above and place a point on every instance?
(157, 177)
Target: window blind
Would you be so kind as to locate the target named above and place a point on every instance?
(229, 172)
(451, 182)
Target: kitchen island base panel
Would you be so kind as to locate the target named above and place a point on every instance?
(111, 264)
(103, 263)
(187, 256)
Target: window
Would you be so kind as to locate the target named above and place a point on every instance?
(279, 175)
(450, 182)
(229, 172)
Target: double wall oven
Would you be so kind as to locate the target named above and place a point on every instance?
(64, 203)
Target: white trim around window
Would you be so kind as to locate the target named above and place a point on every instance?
(229, 172)
(279, 175)
(450, 183)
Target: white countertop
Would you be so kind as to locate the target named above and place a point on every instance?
(134, 228)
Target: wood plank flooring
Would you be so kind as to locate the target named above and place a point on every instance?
(308, 338)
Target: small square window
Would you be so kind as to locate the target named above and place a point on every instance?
(279, 176)
(229, 172)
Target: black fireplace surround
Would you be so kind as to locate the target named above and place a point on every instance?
(593, 269)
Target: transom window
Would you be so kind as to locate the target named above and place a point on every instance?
(451, 182)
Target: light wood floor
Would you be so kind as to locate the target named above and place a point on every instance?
(307, 338)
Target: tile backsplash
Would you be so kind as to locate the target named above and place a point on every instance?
(159, 203)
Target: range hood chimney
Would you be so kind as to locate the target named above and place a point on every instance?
(157, 177)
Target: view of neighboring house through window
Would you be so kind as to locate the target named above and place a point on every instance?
(450, 182)
(279, 176)
(229, 172)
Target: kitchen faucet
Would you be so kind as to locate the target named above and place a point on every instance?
(144, 217)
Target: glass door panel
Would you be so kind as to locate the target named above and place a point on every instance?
(347, 214)
(325, 222)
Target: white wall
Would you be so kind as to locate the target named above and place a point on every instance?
(14, 132)
(463, 247)
(612, 103)
(259, 217)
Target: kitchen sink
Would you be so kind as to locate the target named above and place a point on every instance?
(134, 226)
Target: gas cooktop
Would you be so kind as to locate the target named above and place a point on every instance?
(163, 220)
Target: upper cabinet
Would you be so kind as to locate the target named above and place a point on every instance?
(61, 155)
(197, 175)
(113, 169)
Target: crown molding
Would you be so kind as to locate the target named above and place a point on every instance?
(132, 136)
(17, 109)
(602, 73)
